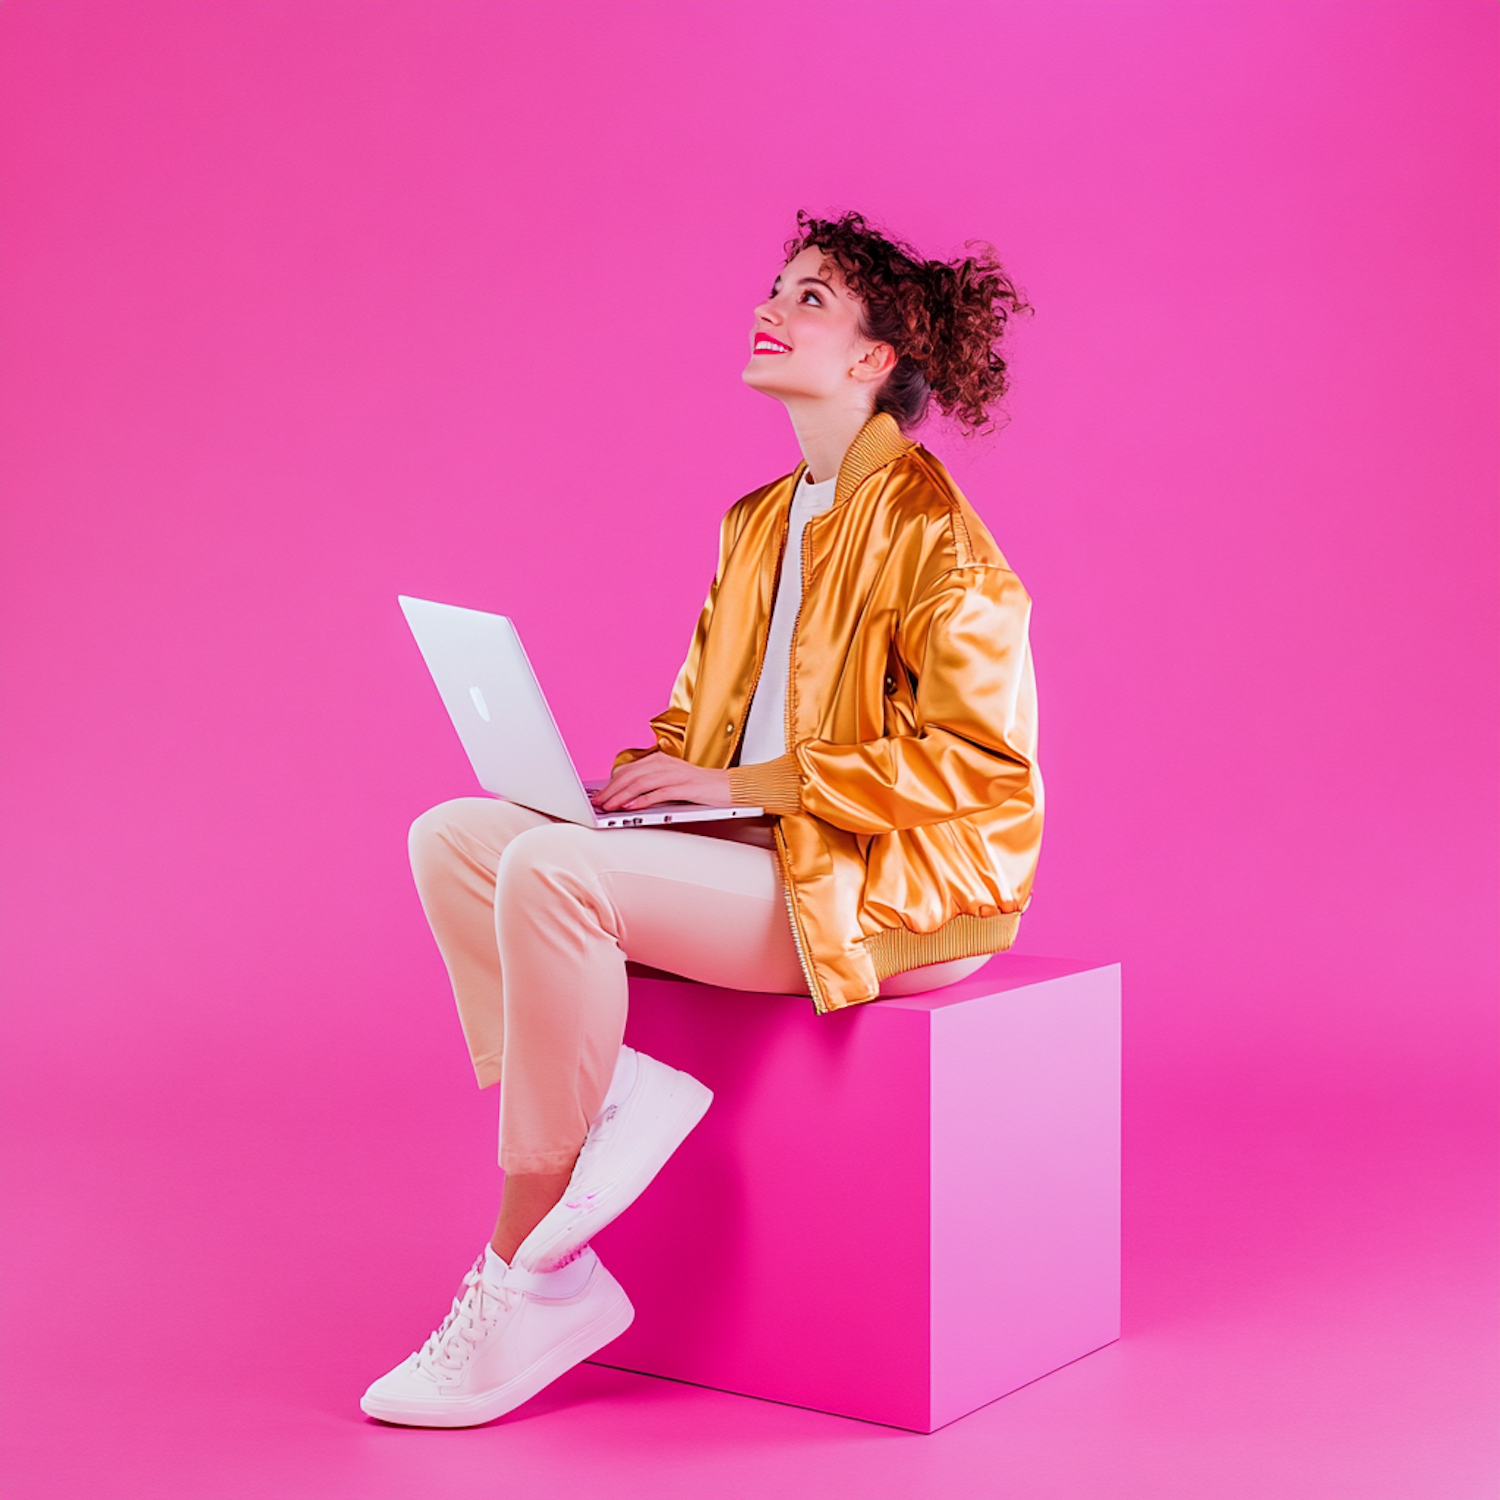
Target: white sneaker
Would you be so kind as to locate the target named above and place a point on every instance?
(499, 1346)
(626, 1147)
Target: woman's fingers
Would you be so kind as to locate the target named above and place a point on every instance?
(659, 778)
(639, 778)
(669, 783)
(652, 797)
(619, 784)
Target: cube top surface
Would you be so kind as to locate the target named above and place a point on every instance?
(1006, 971)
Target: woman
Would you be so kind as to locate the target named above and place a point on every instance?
(860, 672)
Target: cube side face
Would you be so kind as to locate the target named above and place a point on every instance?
(784, 1251)
(1025, 1185)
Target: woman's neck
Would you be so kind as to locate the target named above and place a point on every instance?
(824, 433)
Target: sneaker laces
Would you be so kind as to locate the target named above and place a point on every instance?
(475, 1311)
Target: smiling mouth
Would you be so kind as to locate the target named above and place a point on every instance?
(765, 344)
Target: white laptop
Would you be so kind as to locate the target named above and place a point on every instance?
(512, 740)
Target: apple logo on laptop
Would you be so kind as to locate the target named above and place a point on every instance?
(480, 704)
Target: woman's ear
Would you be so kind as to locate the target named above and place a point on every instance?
(875, 364)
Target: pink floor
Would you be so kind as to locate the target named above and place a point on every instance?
(192, 1309)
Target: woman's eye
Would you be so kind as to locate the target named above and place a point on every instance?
(817, 301)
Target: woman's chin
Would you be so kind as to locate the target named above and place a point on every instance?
(758, 378)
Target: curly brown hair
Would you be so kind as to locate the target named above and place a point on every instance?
(944, 319)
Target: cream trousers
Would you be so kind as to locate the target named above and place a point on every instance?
(535, 919)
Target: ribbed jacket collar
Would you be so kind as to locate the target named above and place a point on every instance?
(874, 446)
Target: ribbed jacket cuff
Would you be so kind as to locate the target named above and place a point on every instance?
(775, 785)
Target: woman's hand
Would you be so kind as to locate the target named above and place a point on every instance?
(663, 778)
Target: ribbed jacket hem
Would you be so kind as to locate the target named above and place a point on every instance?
(775, 785)
(894, 950)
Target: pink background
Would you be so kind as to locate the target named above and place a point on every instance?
(307, 303)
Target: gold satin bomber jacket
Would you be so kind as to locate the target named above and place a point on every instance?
(909, 806)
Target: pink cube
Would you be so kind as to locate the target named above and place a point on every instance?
(898, 1212)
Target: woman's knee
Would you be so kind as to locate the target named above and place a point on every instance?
(430, 837)
(464, 828)
(548, 846)
(546, 864)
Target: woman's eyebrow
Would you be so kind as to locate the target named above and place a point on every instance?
(815, 281)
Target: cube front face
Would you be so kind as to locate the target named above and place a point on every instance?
(784, 1251)
(897, 1212)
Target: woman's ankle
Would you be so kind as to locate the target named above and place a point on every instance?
(527, 1199)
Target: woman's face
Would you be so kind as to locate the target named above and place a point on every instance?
(805, 339)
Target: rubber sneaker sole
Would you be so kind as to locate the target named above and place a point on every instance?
(484, 1406)
(565, 1230)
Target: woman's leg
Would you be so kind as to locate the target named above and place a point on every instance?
(456, 850)
(572, 903)
(455, 854)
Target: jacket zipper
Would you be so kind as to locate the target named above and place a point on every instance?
(813, 988)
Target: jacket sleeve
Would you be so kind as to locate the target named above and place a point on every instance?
(670, 726)
(965, 645)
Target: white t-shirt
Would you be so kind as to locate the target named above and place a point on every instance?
(765, 729)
